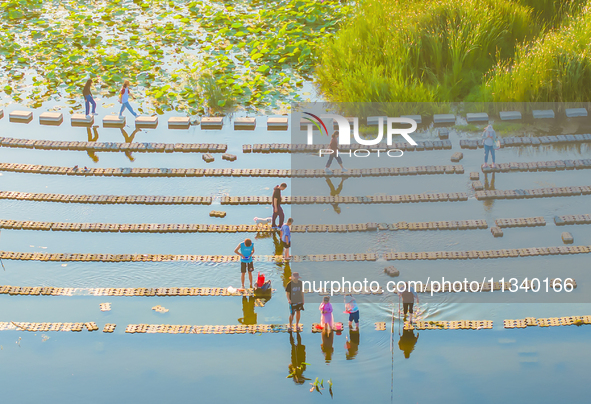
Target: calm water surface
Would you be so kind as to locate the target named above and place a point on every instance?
(535, 364)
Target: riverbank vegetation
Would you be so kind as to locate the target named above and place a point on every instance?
(459, 50)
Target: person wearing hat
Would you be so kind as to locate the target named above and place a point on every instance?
(295, 297)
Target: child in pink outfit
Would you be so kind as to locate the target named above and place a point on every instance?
(326, 318)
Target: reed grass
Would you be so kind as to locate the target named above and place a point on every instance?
(556, 68)
(421, 51)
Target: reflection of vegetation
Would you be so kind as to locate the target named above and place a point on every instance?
(260, 51)
(218, 98)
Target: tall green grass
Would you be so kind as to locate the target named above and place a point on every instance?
(552, 12)
(556, 68)
(421, 51)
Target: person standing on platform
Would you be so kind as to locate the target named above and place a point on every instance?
(246, 252)
(295, 297)
(286, 238)
(277, 209)
(489, 137)
(88, 100)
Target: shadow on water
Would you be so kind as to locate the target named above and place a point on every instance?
(327, 345)
(129, 139)
(298, 359)
(489, 186)
(249, 316)
(335, 191)
(92, 137)
(352, 345)
(407, 342)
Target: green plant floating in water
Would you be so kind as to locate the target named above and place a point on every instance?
(260, 52)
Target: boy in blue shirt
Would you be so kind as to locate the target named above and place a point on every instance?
(286, 237)
(246, 252)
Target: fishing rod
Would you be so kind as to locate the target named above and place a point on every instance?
(3, 267)
(392, 354)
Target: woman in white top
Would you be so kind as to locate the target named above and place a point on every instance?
(490, 137)
(124, 99)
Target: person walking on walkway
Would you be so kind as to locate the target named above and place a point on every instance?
(295, 297)
(124, 95)
(246, 252)
(88, 100)
(286, 237)
(408, 296)
(334, 146)
(277, 209)
(489, 137)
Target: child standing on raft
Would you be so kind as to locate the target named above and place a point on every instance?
(326, 318)
(353, 310)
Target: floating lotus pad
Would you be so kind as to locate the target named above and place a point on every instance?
(20, 116)
(51, 118)
(179, 122)
(146, 122)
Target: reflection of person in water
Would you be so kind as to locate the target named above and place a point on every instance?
(407, 342)
(286, 274)
(92, 137)
(491, 185)
(352, 345)
(335, 192)
(250, 317)
(326, 345)
(129, 139)
(298, 360)
(488, 203)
